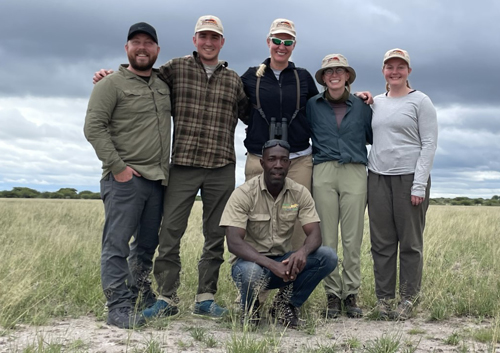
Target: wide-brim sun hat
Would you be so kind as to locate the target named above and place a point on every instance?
(334, 60)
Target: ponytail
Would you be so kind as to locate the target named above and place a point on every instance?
(260, 70)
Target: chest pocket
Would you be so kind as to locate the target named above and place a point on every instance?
(139, 101)
(287, 220)
(259, 225)
(162, 97)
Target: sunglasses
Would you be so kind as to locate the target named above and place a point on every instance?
(285, 42)
(274, 143)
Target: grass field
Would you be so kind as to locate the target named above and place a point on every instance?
(49, 263)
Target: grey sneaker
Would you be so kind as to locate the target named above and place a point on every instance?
(209, 308)
(125, 317)
(351, 308)
(403, 310)
(334, 308)
(383, 309)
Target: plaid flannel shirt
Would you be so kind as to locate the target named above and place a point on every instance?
(205, 112)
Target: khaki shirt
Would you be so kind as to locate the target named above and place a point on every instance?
(268, 222)
(128, 123)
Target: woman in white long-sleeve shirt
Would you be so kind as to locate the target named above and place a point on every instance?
(404, 127)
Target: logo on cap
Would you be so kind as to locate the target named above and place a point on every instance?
(335, 58)
(397, 52)
(209, 22)
(284, 24)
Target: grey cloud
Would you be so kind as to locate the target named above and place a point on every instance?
(51, 49)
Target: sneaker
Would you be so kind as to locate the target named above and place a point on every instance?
(252, 317)
(351, 308)
(209, 308)
(333, 309)
(125, 317)
(160, 309)
(383, 309)
(403, 310)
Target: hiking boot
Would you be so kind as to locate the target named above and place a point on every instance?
(383, 309)
(403, 310)
(284, 312)
(287, 315)
(125, 317)
(351, 308)
(160, 309)
(209, 308)
(252, 316)
(333, 309)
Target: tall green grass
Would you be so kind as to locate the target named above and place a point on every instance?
(50, 263)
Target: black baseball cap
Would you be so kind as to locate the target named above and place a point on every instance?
(142, 27)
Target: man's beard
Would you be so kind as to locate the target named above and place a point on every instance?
(143, 66)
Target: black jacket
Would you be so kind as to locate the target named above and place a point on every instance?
(278, 99)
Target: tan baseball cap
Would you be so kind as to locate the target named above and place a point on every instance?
(334, 60)
(397, 53)
(282, 25)
(209, 23)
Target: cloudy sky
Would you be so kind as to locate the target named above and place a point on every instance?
(50, 49)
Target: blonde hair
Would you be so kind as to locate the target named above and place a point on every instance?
(260, 70)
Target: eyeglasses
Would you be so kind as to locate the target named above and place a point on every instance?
(274, 143)
(286, 42)
(338, 71)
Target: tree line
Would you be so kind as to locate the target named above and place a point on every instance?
(70, 193)
(63, 193)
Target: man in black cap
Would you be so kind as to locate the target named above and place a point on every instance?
(128, 124)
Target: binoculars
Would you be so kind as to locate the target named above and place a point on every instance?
(278, 130)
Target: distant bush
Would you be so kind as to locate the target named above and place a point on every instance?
(63, 193)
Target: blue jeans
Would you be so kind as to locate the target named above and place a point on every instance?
(251, 278)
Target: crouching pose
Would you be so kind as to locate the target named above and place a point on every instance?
(259, 219)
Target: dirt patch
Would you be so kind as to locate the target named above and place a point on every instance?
(86, 334)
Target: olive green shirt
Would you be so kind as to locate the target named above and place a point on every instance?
(268, 222)
(128, 124)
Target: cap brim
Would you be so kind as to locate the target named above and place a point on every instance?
(282, 31)
(131, 35)
(209, 30)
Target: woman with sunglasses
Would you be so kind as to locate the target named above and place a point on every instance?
(280, 90)
(405, 134)
(340, 127)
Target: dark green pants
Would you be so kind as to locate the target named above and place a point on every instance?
(394, 222)
(216, 186)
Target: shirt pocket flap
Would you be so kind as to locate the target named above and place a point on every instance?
(259, 217)
(163, 91)
(130, 93)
